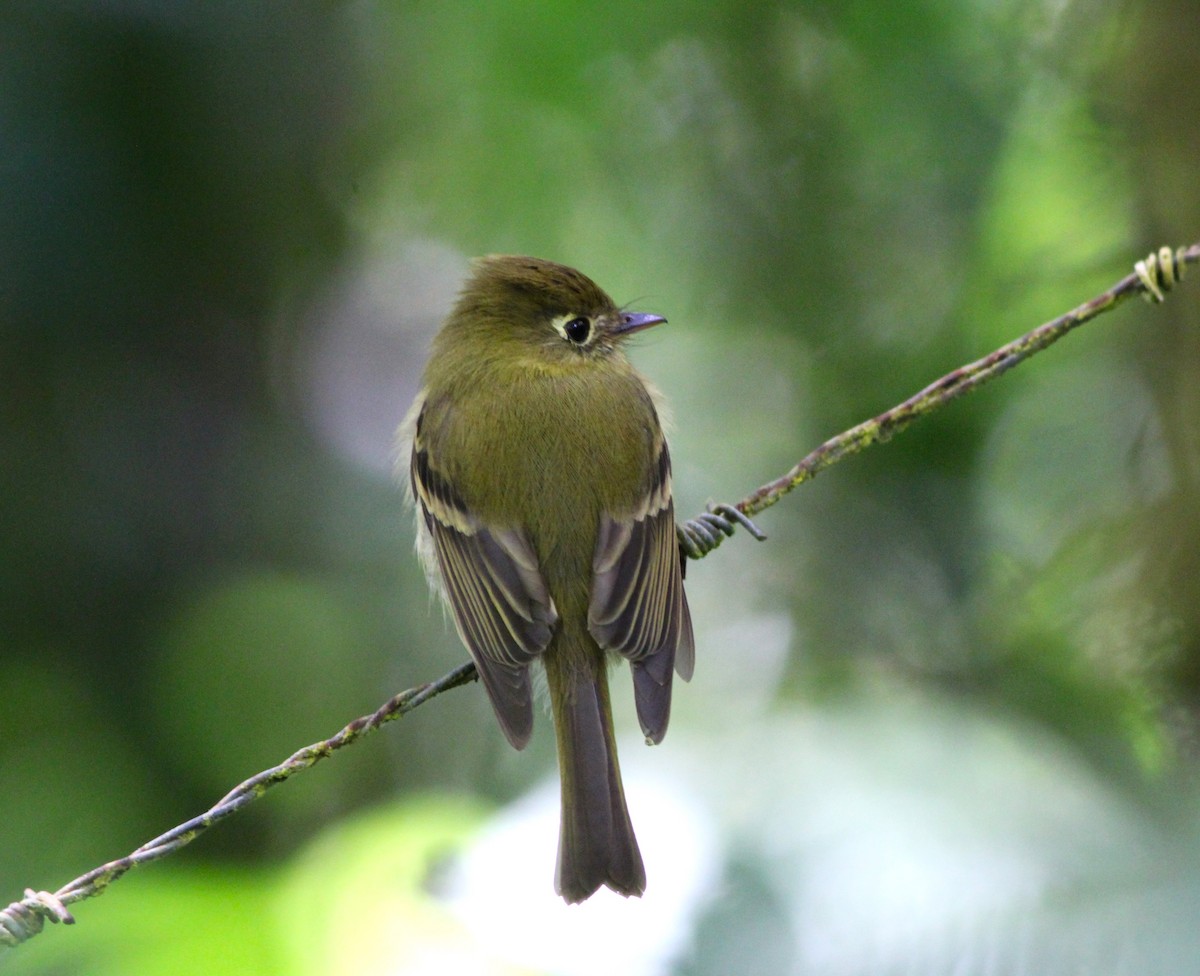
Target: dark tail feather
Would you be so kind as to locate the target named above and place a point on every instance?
(596, 842)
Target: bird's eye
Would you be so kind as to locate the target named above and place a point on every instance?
(578, 329)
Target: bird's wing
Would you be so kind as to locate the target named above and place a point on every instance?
(638, 607)
(490, 577)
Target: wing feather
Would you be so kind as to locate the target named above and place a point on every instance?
(638, 607)
(497, 596)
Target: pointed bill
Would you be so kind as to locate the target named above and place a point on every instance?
(636, 321)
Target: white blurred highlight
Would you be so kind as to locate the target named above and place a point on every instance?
(502, 889)
(365, 342)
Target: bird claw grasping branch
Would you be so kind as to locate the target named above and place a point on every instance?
(701, 535)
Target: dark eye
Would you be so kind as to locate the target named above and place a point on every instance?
(578, 330)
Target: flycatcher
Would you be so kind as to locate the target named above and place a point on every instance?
(543, 486)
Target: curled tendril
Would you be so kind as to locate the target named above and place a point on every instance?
(1159, 271)
(26, 918)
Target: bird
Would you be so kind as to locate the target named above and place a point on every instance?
(541, 479)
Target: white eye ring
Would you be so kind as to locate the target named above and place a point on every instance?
(576, 329)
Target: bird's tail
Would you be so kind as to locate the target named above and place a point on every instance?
(596, 841)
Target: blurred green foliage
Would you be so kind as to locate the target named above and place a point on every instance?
(226, 235)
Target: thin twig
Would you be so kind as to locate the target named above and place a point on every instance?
(1154, 276)
(23, 919)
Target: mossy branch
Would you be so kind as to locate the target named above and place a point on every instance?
(1152, 277)
(23, 919)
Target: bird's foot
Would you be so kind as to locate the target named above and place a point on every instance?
(701, 535)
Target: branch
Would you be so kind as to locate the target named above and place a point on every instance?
(1152, 277)
(24, 919)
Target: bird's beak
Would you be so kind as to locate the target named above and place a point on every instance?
(631, 322)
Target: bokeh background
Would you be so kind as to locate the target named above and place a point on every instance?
(944, 721)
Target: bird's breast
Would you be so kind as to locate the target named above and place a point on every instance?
(549, 452)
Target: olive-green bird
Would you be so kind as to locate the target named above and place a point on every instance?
(543, 484)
